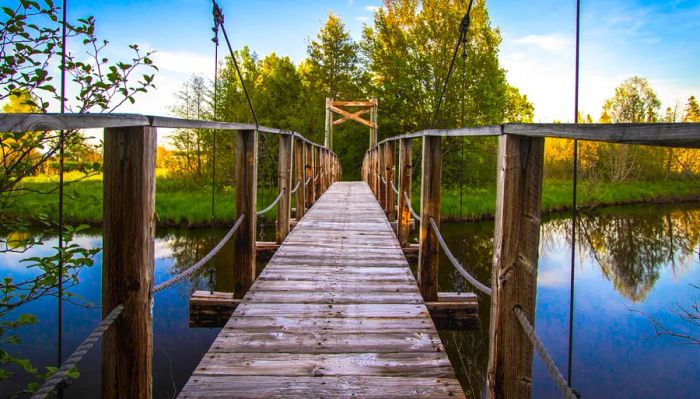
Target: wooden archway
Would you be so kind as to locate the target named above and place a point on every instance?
(358, 108)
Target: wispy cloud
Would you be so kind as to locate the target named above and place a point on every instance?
(555, 42)
(362, 19)
(183, 62)
(372, 8)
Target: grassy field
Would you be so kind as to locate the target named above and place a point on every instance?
(184, 203)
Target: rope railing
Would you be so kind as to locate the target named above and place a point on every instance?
(383, 180)
(410, 208)
(56, 378)
(272, 205)
(308, 179)
(393, 187)
(473, 281)
(317, 176)
(559, 380)
(176, 279)
(296, 187)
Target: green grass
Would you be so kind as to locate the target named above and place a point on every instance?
(186, 203)
(479, 203)
(178, 202)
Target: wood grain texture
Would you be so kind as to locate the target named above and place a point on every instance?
(390, 164)
(246, 197)
(429, 251)
(514, 274)
(128, 260)
(335, 313)
(300, 173)
(284, 184)
(405, 170)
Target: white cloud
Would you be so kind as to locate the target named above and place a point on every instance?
(184, 62)
(372, 8)
(362, 19)
(555, 42)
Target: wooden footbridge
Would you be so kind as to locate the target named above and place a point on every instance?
(336, 312)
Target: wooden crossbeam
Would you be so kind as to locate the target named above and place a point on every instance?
(345, 118)
(353, 103)
(351, 116)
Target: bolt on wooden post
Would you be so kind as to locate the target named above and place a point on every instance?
(514, 274)
(246, 197)
(284, 182)
(390, 149)
(429, 208)
(300, 172)
(128, 259)
(405, 170)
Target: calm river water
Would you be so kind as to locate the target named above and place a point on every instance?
(632, 262)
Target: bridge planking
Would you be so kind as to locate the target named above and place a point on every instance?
(335, 313)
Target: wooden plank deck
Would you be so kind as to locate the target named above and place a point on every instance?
(335, 313)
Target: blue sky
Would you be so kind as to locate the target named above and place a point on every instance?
(654, 39)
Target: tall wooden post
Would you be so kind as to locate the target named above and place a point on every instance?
(381, 169)
(389, 156)
(300, 172)
(246, 197)
(373, 119)
(405, 169)
(328, 138)
(128, 259)
(284, 182)
(514, 274)
(318, 171)
(310, 192)
(429, 208)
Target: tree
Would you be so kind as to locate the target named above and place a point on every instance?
(192, 103)
(407, 52)
(692, 110)
(634, 102)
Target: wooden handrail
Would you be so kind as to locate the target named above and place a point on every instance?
(686, 135)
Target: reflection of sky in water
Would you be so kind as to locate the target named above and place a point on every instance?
(615, 351)
(177, 348)
(616, 355)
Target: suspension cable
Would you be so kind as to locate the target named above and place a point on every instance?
(463, 29)
(559, 380)
(61, 166)
(218, 17)
(176, 279)
(59, 376)
(574, 210)
(476, 283)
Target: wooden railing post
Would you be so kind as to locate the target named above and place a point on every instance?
(128, 259)
(300, 172)
(429, 208)
(284, 208)
(389, 156)
(310, 192)
(246, 196)
(381, 169)
(405, 169)
(514, 274)
(318, 170)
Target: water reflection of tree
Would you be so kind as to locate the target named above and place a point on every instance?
(631, 248)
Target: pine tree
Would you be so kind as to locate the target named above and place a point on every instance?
(692, 110)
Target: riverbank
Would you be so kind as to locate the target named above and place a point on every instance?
(184, 204)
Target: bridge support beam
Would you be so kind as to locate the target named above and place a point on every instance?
(284, 182)
(300, 172)
(390, 161)
(381, 171)
(246, 196)
(318, 171)
(405, 170)
(128, 259)
(310, 195)
(514, 275)
(429, 208)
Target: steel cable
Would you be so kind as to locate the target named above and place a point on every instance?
(473, 281)
(559, 380)
(52, 382)
(176, 279)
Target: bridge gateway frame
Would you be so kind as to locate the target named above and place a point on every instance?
(335, 107)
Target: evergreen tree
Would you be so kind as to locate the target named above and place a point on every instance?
(692, 110)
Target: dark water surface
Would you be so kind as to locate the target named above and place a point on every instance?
(632, 261)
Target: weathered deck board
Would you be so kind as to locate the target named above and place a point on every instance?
(335, 313)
